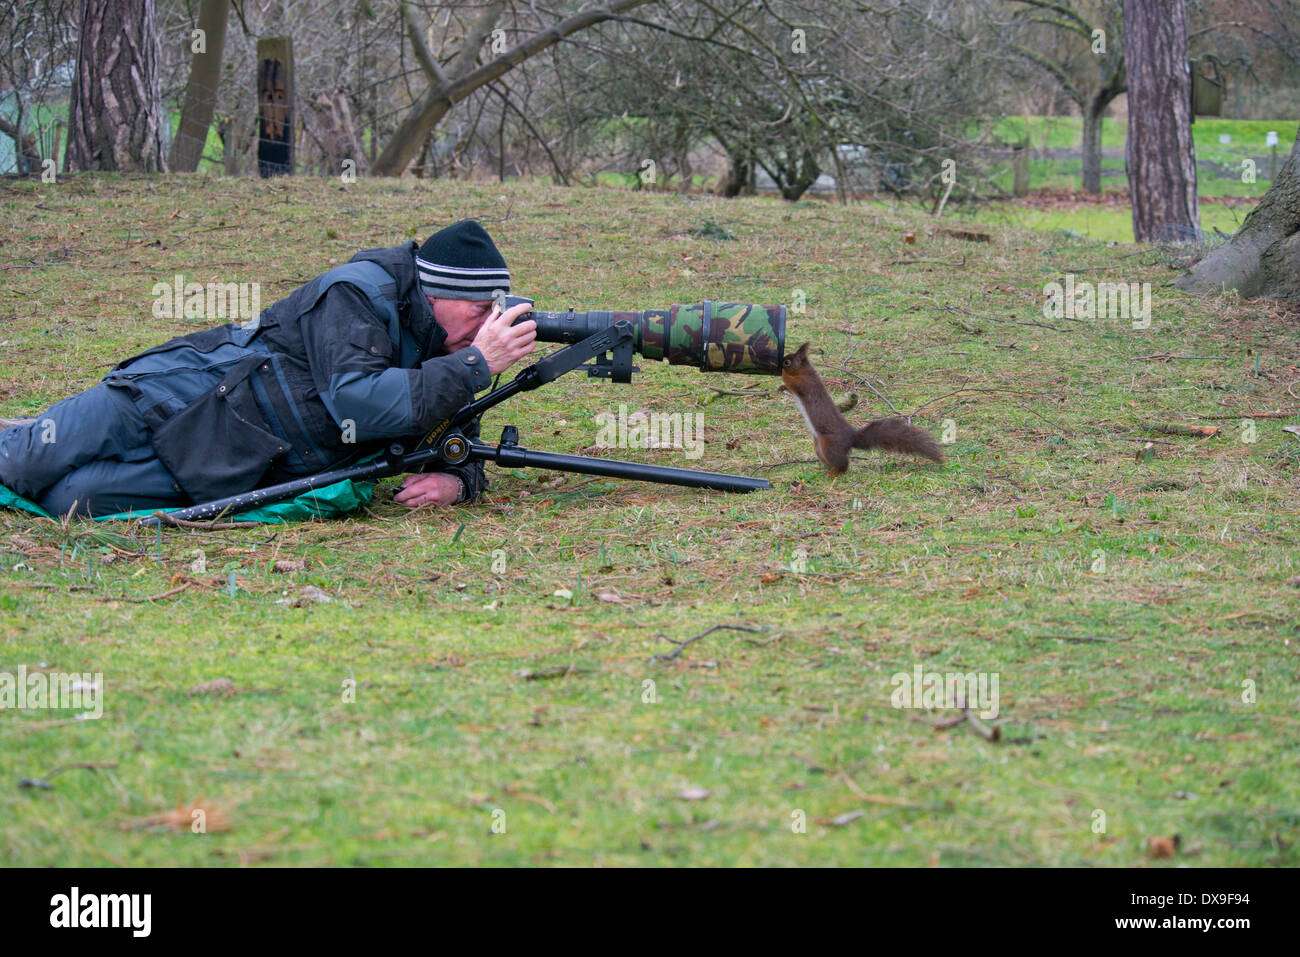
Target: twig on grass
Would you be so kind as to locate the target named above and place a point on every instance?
(777, 465)
(876, 392)
(44, 782)
(948, 395)
(988, 732)
(910, 262)
(561, 671)
(1142, 438)
(1196, 431)
(1101, 638)
(158, 597)
(1251, 415)
(681, 645)
(942, 724)
(202, 526)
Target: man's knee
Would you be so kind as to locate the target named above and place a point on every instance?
(72, 490)
(105, 488)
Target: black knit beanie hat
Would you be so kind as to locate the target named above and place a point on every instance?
(461, 262)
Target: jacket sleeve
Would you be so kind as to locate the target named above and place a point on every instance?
(352, 362)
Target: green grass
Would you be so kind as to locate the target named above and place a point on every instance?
(1109, 222)
(1121, 689)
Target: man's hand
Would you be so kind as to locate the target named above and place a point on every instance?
(503, 344)
(431, 488)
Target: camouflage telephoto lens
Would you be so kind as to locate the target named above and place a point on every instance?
(711, 336)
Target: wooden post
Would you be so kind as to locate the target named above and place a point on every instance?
(58, 139)
(1020, 168)
(275, 106)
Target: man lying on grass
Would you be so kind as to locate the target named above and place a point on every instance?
(383, 347)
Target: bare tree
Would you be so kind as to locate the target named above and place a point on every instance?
(463, 75)
(791, 87)
(37, 49)
(1088, 65)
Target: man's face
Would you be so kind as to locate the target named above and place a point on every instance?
(461, 319)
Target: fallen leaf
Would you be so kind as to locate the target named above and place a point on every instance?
(694, 794)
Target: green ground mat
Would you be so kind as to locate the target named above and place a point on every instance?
(331, 501)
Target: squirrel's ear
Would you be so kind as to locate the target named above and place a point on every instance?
(802, 350)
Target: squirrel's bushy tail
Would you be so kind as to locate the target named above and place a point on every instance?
(897, 435)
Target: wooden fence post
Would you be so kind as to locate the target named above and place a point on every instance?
(275, 106)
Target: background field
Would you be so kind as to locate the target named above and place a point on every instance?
(481, 691)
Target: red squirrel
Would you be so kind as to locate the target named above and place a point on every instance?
(833, 436)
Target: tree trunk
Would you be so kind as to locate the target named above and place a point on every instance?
(1094, 111)
(793, 173)
(736, 180)
(1263, 258)
(115, 115)
(1159, 155)
(201, 92)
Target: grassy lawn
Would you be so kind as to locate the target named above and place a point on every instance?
(1219, 164)
(491, 667)
(1103, 222)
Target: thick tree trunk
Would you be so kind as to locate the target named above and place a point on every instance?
(1263, 258)
(115, 115)
(201, 93)
(1159, 155)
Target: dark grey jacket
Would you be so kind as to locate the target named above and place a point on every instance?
(346, 363)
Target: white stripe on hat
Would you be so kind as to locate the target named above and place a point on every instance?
(425, 264)
(463, 283)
